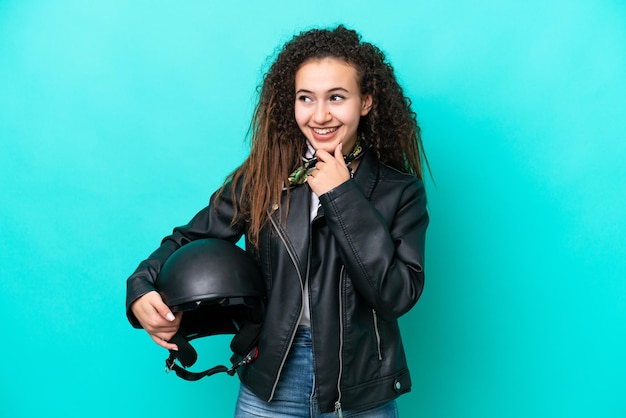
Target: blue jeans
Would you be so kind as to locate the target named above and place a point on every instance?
(295, 395)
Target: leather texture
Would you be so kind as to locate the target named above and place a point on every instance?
(362, 258)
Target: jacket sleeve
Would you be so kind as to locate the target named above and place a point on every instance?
(382, 254)
(214, 221)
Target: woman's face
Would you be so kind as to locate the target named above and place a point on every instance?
(329, 103)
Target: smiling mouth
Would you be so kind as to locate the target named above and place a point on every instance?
(324, 131)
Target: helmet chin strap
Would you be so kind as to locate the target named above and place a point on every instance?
(243, 344)
(186, 354)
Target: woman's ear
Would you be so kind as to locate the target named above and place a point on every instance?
(366, 104)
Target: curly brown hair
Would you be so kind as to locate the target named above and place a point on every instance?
(277, 143)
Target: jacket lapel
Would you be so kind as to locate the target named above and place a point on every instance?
(366, 175)
(295, 233)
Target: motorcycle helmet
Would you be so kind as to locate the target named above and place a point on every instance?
(220, 290)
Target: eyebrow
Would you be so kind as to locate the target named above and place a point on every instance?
(333, 90)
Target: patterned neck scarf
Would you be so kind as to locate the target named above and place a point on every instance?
(299, 175)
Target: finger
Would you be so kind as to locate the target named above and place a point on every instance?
(322, 155)
(163, 309)
(339, 153)
(145, 307)
(163, 343)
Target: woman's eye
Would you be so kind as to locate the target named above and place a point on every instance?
(336, 97)
(304, 99)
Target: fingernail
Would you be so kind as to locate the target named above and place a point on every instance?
(170, 316)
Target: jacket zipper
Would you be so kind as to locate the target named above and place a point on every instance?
(338, 409)
(293, 260)
(377, 332)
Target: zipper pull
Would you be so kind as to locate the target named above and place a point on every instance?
(338, 410)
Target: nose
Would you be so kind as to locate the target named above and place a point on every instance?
(322, 113)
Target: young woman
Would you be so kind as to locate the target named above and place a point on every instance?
(339, 239)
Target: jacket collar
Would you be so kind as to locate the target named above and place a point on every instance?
(367, 172)
(297, 230)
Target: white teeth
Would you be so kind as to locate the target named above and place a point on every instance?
(324, 131)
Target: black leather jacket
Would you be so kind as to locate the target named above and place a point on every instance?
(363, 256)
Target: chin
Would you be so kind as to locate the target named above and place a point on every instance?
(322, 145)
(328, 148)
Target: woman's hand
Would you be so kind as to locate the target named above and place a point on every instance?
(157, 319)
(330, 171)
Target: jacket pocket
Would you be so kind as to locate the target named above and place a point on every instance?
(377, 334)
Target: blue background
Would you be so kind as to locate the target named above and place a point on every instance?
(119, 118)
